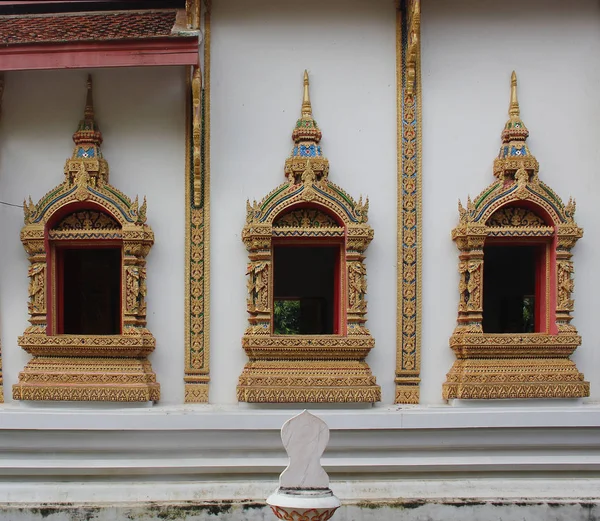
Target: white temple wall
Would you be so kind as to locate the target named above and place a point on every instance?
(469, 48)
(512, 461)
(141, 115)
(260, 49)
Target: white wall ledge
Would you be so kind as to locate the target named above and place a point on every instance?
(349, 492)
(203, 418)
(205, 443)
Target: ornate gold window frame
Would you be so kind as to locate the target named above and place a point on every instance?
(518, 206)
(87, 367)
(307, 368)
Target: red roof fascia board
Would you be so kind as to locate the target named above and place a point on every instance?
(97, 39)
(167, 51)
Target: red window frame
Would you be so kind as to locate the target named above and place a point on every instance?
(545, 278)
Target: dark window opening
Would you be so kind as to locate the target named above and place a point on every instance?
(509, 289)
(91, 291)
(304, 290)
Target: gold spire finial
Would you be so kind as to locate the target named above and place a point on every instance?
(89, 101)
(306, 106)
(87, 133)
(513, 109)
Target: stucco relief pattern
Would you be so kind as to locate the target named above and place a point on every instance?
(518, 205)
(408, 314)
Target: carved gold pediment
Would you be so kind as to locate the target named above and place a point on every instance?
(305, 218)
(87, 220)
(515, 217)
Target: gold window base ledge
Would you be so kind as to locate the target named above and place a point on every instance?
(319, 347)
(307, 381)
(93, 379)
(514, 366)
(137, 343)
(523, 345)
(307, 369)
(477, 391)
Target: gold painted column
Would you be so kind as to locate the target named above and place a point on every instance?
(470, 267)
(408, 78)
(1, 382)
(197, 255)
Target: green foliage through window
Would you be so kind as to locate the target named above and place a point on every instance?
(529, 314)
(287, 317)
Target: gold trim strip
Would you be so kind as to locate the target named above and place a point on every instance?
(197, 258)
(1, 381)
(206, 173)
(409, 252)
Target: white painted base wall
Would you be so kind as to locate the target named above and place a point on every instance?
(460, 510)
(197, 462)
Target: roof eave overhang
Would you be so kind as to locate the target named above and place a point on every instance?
(95, 54)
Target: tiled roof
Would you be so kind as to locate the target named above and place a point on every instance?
(85, 27)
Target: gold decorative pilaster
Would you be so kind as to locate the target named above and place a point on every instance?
(408, 314)
(197, 288)
(1, 383)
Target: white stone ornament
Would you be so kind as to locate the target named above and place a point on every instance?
(305, 438)
(304, 493)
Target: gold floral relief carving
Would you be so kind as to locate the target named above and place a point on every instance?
(307, 368)
(135, 290)
(57, 370)
(474, 287)
(37, 288)
(409, 218)
(258, 287)
(305, 218)
(87, 220)
(515, 216)
(357, 287)
(512, 365)
(565, 285)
